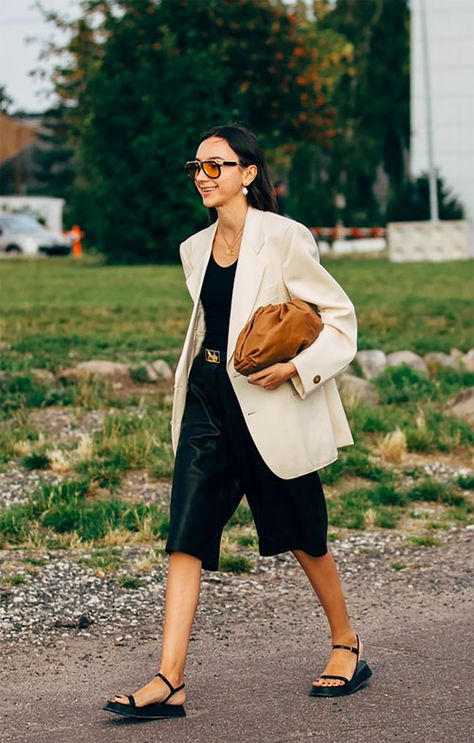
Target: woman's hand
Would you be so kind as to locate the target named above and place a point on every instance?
(273, 376)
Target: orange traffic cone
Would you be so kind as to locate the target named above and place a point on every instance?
(77, 234)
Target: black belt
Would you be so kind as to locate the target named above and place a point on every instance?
(214, 356)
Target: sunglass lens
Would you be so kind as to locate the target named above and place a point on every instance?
(211, 169)
(192, 169)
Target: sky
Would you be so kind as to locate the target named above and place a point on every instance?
(19, 20)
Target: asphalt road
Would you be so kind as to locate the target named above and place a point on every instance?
(252, 684)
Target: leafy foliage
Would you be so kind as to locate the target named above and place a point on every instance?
(143, 79)
(412, 202)
(371, 129)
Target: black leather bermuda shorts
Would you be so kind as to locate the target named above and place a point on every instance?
(217, 463)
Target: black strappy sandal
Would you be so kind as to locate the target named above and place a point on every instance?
(148, 711)
(361, 675)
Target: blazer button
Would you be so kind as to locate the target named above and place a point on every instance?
(317, 378)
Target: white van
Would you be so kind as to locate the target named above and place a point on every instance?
(22, 234)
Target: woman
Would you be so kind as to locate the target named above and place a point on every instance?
(264, 436)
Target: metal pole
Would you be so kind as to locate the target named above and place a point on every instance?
(429, 114)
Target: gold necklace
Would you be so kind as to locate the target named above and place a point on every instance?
(230, 246)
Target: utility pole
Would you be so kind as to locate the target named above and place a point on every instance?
(429, 113)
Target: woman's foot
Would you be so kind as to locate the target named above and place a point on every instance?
(155, 692)
(342, 662)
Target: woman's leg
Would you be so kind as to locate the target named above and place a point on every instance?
(183, 585)
(324, 578)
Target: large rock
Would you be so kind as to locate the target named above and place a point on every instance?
(97, 367)
(154, 371)
(462, 406)
(355, 390)
(372, 362)
(43, 375)
(161, 369)
(409, 358)
(468, 360)
(438, 360)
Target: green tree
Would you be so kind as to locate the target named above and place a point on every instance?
(372, 116)
(145, 77)
(54, 156)
(412, 201)
(6, 101)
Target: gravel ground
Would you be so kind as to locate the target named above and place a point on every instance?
(65, 598)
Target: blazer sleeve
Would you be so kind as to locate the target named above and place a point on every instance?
(306, 279)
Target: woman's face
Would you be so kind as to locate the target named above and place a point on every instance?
(228, 186)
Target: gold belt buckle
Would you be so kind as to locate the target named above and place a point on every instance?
(213, 356)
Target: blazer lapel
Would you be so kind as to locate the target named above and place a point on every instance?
(248, 277)
(200, 257)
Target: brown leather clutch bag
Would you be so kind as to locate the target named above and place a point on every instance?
(276, 333)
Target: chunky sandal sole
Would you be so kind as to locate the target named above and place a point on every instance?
(362, 674)
(148, 712)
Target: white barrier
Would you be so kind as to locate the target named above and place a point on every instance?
(429, 241)
(323, 247)
(364, 245)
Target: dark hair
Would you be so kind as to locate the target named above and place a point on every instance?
(261, 193)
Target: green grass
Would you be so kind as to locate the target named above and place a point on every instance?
(67, 312)
(399, 384)
(37, 562)
(247, 540)
(398, 566)
(422, 540)
(353, 508)
(241, 517)
(14, 580)
(35, 461)
(57, 312)
(384, 504)
(429, 489)
(356, 462)
(106, 559)
(71, 508)
(466, 482)
(230, 563)
(128, 442)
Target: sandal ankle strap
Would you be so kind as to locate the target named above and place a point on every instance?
(349, 647)
(173, 689)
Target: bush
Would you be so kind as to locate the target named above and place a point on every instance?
(235, 564)
(35, 461)
(412, 202)
(435, 491)
(451, 381)
(466, 482)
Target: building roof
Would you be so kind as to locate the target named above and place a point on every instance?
(15, 136)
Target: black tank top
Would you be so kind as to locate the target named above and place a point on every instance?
(216, 298)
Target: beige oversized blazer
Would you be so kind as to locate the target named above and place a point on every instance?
(298, 427)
